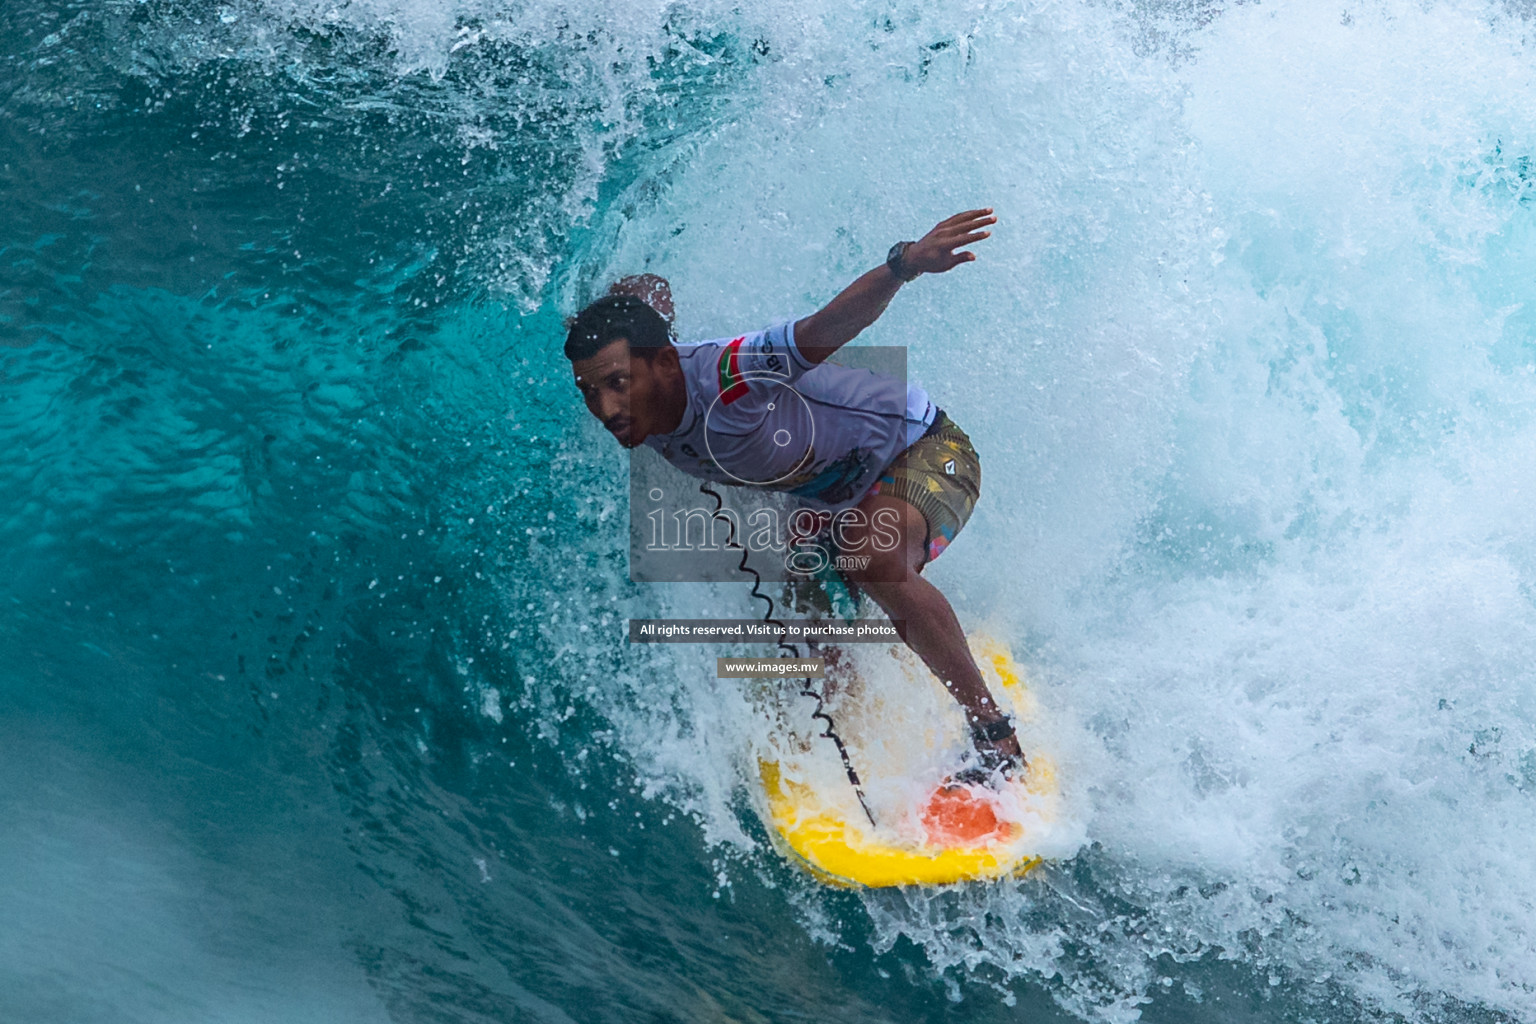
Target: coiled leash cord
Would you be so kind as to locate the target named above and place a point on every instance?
(793, 651)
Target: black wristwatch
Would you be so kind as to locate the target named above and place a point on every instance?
(895, 261)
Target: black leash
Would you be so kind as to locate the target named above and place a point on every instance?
(792, 650)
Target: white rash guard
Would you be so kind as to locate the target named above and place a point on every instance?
(760, 415)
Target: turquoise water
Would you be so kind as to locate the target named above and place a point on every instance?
(314, 703)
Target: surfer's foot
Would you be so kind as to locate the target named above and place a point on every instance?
(982, 775)
(998, 754)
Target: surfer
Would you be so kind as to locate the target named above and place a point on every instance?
(897, 472)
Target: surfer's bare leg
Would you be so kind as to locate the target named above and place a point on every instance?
(923, 616)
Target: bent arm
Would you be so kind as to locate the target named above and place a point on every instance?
(845, 317)
(861, 303)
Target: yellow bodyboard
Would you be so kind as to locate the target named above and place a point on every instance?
(817, 821)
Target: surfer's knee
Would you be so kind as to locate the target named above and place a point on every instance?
(887, 535)
(877, 566)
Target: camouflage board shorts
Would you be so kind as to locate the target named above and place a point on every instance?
(940, 476)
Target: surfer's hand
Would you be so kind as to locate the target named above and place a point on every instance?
(861, 303)
(935, 252)
(651, 289)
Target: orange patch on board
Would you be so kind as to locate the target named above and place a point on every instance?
(958, 815)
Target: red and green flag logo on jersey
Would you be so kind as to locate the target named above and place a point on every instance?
(732, 384)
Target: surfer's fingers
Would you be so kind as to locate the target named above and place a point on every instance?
(954, 259)
(974, 236)
(964, 234)
(966, 222)
(966, 215)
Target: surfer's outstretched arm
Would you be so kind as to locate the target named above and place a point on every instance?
(861, 303)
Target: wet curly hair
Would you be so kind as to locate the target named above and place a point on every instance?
(614, 317)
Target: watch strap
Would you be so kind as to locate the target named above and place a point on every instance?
(895, 260)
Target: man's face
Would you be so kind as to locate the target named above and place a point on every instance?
(628, 394)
